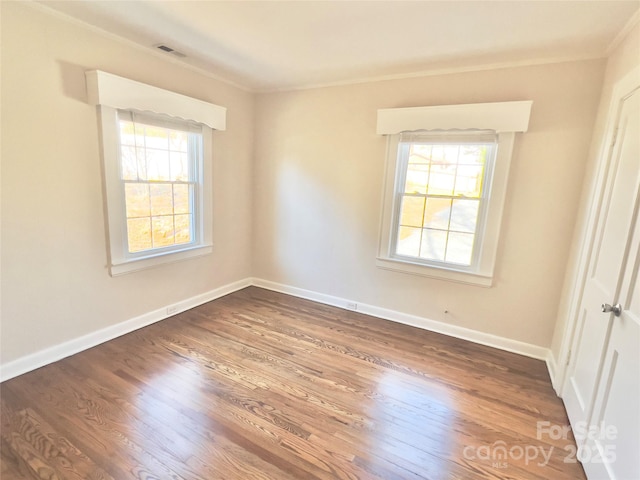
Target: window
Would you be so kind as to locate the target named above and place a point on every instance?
(160, 165)
(157, 154)
(445, 188)
(440, 189)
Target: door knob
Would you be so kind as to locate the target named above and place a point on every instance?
(615, 309)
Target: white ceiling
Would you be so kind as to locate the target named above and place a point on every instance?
(266, 45)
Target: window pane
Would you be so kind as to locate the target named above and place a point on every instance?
(158, 165)
(161, 199)
(473, 154)
(139, 134)
(141, 160)
(128, 162)
(412, 211)
(437, 154)
(420, 153)
(450, 153)
(127, 136)
(433, 245)
(408, 241)
(139, 234)
(464, 215)
(460, 248)
(137, 200)
(181, 198)
(156, 137)
(417, 177)
(178, 141)
(469, 181)
(162, 231)
(179, 167)
(441, 179)
(183, 228)
(436, 214)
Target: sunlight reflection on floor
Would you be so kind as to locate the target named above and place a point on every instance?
(400, 425)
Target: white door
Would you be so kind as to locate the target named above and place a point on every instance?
(602, 379)
(614, 443)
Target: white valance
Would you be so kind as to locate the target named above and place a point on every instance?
(499, 117)
(118, 92)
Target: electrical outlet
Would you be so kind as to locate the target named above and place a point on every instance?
(352, 306)
(172, 309)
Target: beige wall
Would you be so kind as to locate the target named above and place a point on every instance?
(307, 190)
(317, 194)
(621, 61)
(55, 285)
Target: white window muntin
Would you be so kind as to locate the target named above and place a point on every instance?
(195, 153)
(402, 145)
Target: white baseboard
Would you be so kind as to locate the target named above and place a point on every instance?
(552, 367)
(58, 352)
(502, 343)
(52, 354)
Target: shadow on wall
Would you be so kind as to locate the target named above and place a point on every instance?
(74, 86)
(73, 81)
(316, 205)
(321, 190)
(305, 206)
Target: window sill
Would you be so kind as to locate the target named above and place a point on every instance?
(451, 275)
(137, 264)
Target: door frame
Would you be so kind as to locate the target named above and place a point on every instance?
(599, 187)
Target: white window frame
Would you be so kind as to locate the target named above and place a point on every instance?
(505, 118)
(111, 93)
(199, 142)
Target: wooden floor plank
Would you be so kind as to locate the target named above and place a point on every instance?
(261, 385)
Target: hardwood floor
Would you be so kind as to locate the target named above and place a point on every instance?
(260, 385)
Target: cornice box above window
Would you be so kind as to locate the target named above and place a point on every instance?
(499, 117)
(122, 93)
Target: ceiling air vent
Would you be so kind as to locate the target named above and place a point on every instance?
(167, 49)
